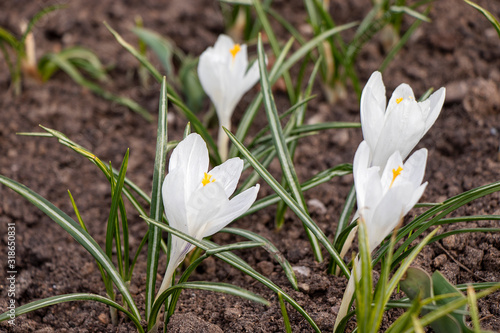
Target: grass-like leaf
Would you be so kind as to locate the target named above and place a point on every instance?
(77, 232)
(239, 264)
(428, 219)
(284, 313)
(70, 69)
(220, 287)
(282, 65)
(71, 298)
(283, 194)
(187, 272)
(281, 146)
(171, 94)
(268, 246)
(486, 14)
(156, 211)
(112, 228)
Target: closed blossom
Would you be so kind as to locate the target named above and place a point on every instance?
(401, 124)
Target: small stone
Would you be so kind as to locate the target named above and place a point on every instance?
(440, 260)
(232, 314)
(189, 322)
(473, 257)
(103, 318)
(265, 267)
(88, 268)
(304, 287)
(455, 91)
(301, 270)
(450, 242)
(317, 206)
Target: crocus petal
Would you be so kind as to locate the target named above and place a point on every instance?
(174, 200)
(372, 109)
(436, 103)
(240, 63)
(386, 216)
(191, 156)
(222, 44)
(393, 163)
(417, 194)
(233, 209)
(363, 175)
(402, 131)
(252, 76)
(370, 194)
(204, 205)
(211, 72)
(228, 174)
(414, 167)
(402, 93)
(361, 159)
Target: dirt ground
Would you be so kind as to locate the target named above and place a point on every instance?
(459, 49)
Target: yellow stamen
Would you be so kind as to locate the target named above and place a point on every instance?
(234, 51)
(207, 179)
(395, 174)
(399, 100)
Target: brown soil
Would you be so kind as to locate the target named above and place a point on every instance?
(459, 49)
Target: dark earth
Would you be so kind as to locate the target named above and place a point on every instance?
(459, 49)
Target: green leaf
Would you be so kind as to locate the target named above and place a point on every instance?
(113, 211)
(185, 275)
(142, 59)
(239, 264)
(77, 232)
(156, 211)
(70, 298)
(281, 146)
(78, 56)
(486, 14)
(409, 11)
(284, 313)
(160, 46)
(107, 282)
(9, 38)
(453, 306)
(303, 216)
(70, 69)
(431, 217)
(363, 280)
(273, 40)
(281, 66)
(268, 246)
(440, 293)
(220, 287)
(37, 17)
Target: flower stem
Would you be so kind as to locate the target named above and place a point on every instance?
(223, 141)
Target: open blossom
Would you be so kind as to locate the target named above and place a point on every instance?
(223, 74)
(401, 125)
(196, 201)
(384, 199)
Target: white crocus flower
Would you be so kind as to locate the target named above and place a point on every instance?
(196, 201)
(401, 125)
(383, 199)
(223, 74)
(397, 127)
